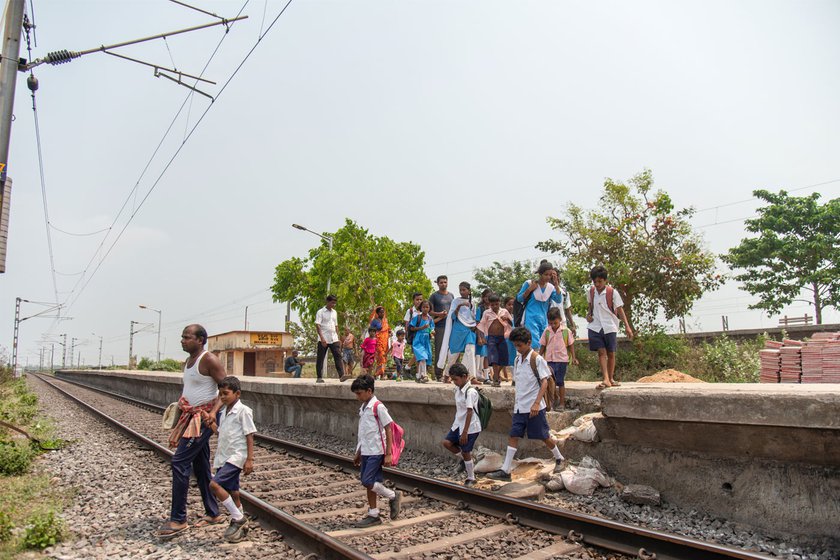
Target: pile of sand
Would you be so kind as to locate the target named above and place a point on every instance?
(669, 376)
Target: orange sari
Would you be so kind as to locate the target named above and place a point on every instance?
(383, 337)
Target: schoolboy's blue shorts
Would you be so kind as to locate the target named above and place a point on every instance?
(455, 437)
(227, 476)
(559, 369)
(370, 470)
(536, 427)
(598, 340)
(497, 350)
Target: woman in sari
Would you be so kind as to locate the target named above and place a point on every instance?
(379, 321)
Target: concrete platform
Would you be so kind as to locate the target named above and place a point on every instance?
(764, 455)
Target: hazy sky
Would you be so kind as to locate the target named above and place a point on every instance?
(399, 115)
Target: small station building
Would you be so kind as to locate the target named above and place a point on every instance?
(252, 352)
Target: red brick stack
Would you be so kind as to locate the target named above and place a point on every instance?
(770, 359)
(812, 368)
(791, 361)
(831, 360)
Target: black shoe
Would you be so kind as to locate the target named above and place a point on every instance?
(319, 380)
(461, 467)
(469, 483)
(395, 504)
(499, 475)
(497, 384)
(237, 530)
(344, 378)
(367, 521)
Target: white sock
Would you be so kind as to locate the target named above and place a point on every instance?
(556, 452)
(373, 512)
(380, 490)
(235, 512)
(470, 469)
(421, 369)
(460, 456)
(511, 451)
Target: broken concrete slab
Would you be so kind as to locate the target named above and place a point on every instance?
(641, 495)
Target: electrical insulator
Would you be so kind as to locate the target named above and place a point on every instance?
(60, 57)
(32, 83)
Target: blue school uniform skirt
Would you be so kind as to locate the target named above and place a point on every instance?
(460, 337)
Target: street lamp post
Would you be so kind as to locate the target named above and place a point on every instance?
(160, 314)
(329, 241)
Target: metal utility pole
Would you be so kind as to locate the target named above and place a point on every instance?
(72, 350)
(100, 352)
(246, 317)
(52, 355)
(15, 338)
(64, 351)
(131, 342)
(160, 314)
(8, 80)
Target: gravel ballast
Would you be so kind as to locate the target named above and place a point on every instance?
(122, 496)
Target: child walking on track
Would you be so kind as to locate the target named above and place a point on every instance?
(373, 451)
(530, 374)
(556, 346)
(467, 426)
(234, 453)
(422, 326)
(605, 308)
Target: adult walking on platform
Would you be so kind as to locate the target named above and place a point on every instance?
(202, 373)
(441, 301)
(326, 323)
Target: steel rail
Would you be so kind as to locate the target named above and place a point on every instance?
(300, 535)
(596, 531)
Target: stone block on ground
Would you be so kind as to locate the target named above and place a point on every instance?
(555, 484)
(558, 420)
(641, 495)
(523, 490)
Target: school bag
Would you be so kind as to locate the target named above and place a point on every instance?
(397, 440)
(409, 334)
(518, 312)
(609, 299)
(549, 390)
(484, 408)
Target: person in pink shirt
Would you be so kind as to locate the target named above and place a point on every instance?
(369, 351)
(496, 324)
(556, 346)
(398, 353)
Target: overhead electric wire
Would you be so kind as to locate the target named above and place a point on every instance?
(78, 234)
(132, 192)
(178, 151)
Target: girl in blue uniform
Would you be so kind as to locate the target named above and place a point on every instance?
(421, 345)
(460, 333)
(536, 296)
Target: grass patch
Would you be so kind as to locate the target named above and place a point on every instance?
(30, 506)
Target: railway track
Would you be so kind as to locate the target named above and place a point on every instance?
(312, 497)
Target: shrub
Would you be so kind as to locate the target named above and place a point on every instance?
(15, 458)
(655, 350)
(145, 363)
(726, 361)
(43, 529)
(5, 526)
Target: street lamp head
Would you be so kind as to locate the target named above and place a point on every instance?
(298, 226)
(143, 307)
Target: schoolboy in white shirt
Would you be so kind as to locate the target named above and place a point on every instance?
(234, 453)
(529, 402)
(605, 308)
(373, 451)
(466, 428)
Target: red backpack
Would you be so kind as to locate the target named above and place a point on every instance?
(609, 299)
(397, 441)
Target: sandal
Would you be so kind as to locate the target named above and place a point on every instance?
(167, 532)
(208, 521)
(603, 386)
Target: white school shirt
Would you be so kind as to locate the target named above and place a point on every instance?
(602, 317)
(234, 426)
(410, 313)
(567, 302)
(372, 440)
(527, 387)
(327, 319)
(464, 401)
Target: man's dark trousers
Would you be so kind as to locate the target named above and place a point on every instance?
(192, 455)
(335, 348)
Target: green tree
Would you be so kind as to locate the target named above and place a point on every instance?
(656, 261)
(306, 337)
(365, 270)
(796, 251)
(504, 279)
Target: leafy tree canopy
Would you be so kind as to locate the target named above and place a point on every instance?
(796, 250)
(656, 261)
(504, 279)
(365, 270)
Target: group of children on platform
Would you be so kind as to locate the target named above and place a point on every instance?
(478, 341)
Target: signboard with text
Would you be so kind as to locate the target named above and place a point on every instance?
(266, 339)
